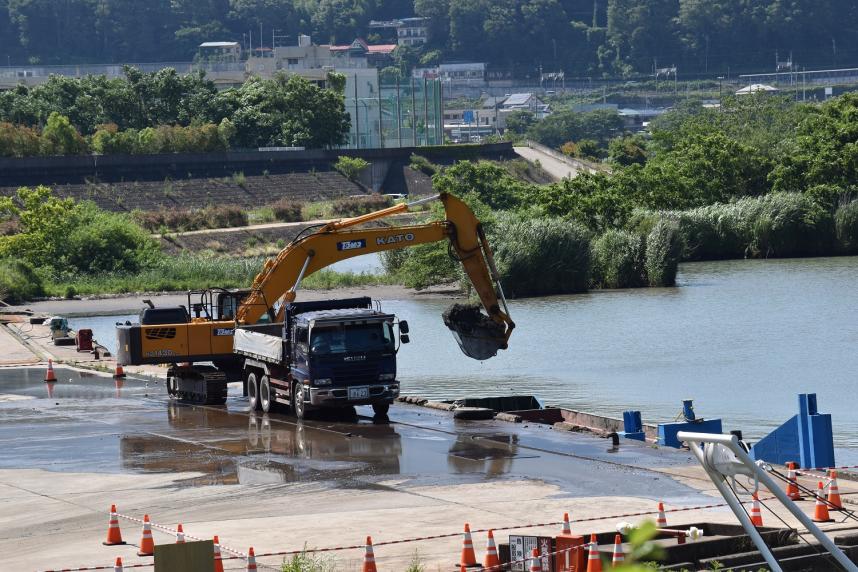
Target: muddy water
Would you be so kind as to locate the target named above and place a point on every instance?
(741, 338)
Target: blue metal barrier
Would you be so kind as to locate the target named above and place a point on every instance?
(806, 438)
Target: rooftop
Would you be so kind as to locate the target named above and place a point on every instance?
(219, 44)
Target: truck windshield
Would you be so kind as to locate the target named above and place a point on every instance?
(351, 338)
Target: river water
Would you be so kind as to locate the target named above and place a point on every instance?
(741, 338)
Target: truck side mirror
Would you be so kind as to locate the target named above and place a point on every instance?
(403, 327)
(404, 338)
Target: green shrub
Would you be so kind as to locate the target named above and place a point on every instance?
(68, 236)
(356, 206)
(663, 248)
(540, 256)
(107, 242)
(846, 221)
(351, 167)
(18, 282)
(618, 260)
(287, 210)
(422, 164)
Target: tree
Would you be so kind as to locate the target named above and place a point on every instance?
(61, 138)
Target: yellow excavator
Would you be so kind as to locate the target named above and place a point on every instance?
(310, 355)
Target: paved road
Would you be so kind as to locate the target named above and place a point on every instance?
(554, 167)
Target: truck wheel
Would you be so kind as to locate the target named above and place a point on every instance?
(298, 406)
(266, 397)
(253, 392)
(381, 409)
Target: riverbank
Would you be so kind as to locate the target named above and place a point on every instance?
(108, 305)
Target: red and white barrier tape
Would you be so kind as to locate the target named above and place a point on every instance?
(240, 555)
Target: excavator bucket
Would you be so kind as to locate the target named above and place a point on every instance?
(478, 336)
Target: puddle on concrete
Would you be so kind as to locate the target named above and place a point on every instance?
(29, 383)
(90, 423)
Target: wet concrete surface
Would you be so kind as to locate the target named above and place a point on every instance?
(88, 422)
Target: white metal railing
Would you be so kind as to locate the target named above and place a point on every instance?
(722, 456)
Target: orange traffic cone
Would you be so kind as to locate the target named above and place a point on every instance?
(618, 557)
(251, 560)
(834, 491)
(114, 535)
(50, 375)
(369, 559)
(180, 534)
(491, 561)
(147, 545)
(820, 512)
(792, 485)
(118, 566)
(661, 519)
(218, 562)
(594, 561)
(119, 373)
(535, 561)
(469, 558)
(566, 528)
(756, 514)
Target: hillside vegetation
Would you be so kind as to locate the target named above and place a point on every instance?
(581, 37)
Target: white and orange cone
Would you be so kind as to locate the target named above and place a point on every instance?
(567, 529)
(491, 561)
(756, 514)
(820, 511)
(469, 557)
(114, 535)
(218, 561)
(619, 557)
(119, 372)
(180, 534)
(117, 567)
(50, 375)
(834, 490)
(251, 560)
(535, 561)
(661, 519)
(792, 485)
(147, 544)
(594, 560)
(369, 558)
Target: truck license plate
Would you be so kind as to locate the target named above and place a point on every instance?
(358, 393)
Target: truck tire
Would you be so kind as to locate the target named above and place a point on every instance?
(381, 409)
(253, 392)
(298, 406)
(266, 395)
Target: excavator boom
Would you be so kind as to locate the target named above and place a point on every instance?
(280, 279)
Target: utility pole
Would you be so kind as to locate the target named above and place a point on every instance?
(720, 97)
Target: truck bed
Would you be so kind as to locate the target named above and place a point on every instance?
(263, 342)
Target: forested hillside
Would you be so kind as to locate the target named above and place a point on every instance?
(582, 37)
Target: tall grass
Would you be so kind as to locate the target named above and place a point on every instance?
(191, 272)
(541, 256)
(663, 247)
(846, 224)
(618, 260)
(778, 225)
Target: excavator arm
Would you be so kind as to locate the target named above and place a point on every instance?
(280, 279)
